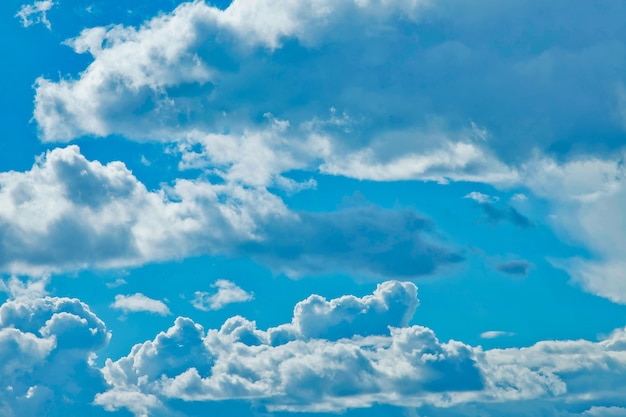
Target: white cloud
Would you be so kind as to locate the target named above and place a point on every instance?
(605, 412)
(46, 346)
(326, 359)
(227, 293)
(36, 13)
(68, 213)
(392, 304)
(132, 88)
(492, 334)
(587, 197)
(139, 302)
(481, 198)
(329, 359)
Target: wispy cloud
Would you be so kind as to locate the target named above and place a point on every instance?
(36, 13)
(497, 213)
(492, 334)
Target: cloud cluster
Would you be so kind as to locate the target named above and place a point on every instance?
(353, 352)
(245, 94)
(587, 197)
(181, 77)
(69, 213)
(334, 355)
(46, 345)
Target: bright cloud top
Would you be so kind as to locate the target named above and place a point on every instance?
(328, 359)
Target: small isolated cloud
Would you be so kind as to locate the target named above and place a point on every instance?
(514, 267)
(36, 13)
(481, 198)
(139, 302)
(492, 334)
(117, 283)
(497, 214)
(519, 197)
(227, 293)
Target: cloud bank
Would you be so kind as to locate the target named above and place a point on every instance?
(353, 352)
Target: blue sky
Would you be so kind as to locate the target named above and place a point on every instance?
(313, 207)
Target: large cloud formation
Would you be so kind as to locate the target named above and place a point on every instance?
(340, 354)
(354, 352)
(471, 92)
(69, 213)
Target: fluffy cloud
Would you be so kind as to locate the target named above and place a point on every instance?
(46, 345)
(353, 352)
(327, 359)
(218, 70)
(69, 213)
(587, 196)
(334, 355)
(392, 304)
(202, 77)
(139, 302)
(227, 293)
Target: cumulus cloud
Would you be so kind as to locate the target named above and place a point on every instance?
(227, 293)
(46, 346)
(139, 302)
(338, 354)
(36, 13)
(392, 304)
(201, 76)
(69, 213)
(353, 352)
(326, 359)
(191, 67)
